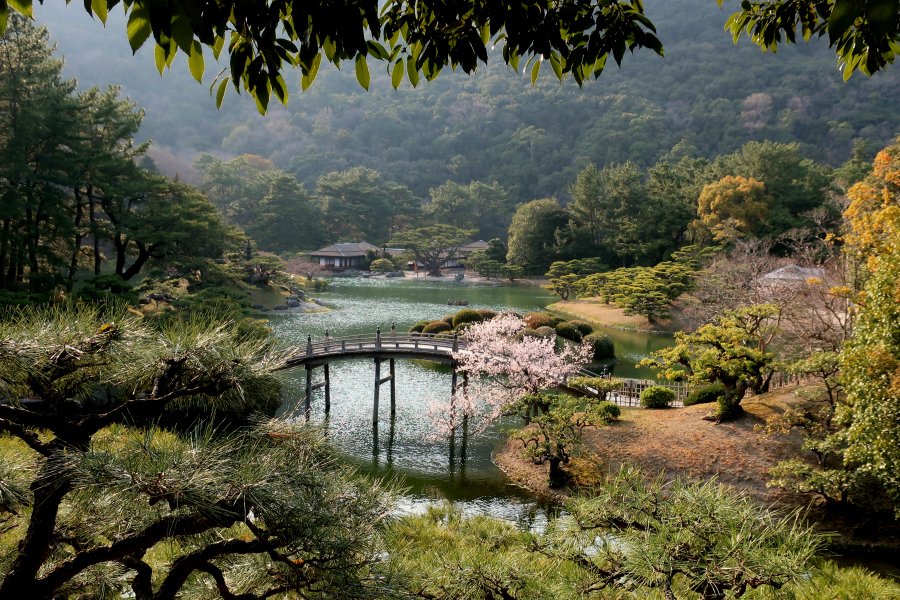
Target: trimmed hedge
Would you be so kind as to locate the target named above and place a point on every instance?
(568, 331)
(705, 395)
(467, 315)
(584, 328)
(657, 396)
(418, 327)
(448, 320)
(381, 265)
(545, 332)
(604, 348)
(487, 314)
(534, 320)
(436, 327)
(609, 411)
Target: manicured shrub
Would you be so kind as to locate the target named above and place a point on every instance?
(609, 410)
(705, 395)
(526, 333)
(545, 332)
(604, 348)
(511, 313)
(381, 265)
(539, 319)
(657, 396)
(448, 320)
(418, 327)
(467, 315)
(487, 314)
(584, 328)
(568, 331)
(436, 327)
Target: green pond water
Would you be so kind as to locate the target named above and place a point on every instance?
(458, 470)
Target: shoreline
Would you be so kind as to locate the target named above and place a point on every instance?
(449, 279)
(575, 315)
(679, 443)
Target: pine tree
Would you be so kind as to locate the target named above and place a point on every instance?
(38, 129)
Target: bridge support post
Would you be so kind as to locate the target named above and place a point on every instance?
(377, 389)
(393, 386)
(453, 385)
(308, 388)
(327, 389)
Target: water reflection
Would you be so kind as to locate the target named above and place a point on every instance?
(460, 469)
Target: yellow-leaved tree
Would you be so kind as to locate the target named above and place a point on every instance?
(871, 360)
(730, 208)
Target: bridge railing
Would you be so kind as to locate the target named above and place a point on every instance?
(386, 341)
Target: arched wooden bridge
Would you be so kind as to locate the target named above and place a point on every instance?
(380, 348)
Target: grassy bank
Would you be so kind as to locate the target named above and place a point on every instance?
(593, 310)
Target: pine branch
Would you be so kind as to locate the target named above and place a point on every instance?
(29, 437)
(22, 416)
(227, 594)
(167, 527)
(142, 584)
(145, 406)
(187, 564)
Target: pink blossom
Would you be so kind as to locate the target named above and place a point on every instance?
(501, 369)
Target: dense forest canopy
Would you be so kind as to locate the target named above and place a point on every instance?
(417, 39)
(707, 97)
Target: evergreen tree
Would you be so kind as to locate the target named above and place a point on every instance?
(532, 234)
(166, 514)
(359, 205)
(39, 121)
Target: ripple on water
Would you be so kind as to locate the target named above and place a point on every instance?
(467, 476)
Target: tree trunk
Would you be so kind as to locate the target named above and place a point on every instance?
(668, 594)
(4, 250)
(121, 248)
(556, 477)
(76, 250)
(94, 232)
(33, 239)
(20, 580)
(142, 258)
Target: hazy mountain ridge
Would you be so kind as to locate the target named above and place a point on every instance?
(494, 126)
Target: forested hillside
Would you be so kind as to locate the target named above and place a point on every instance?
(705, 98)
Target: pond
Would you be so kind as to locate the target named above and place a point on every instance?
(459, 470)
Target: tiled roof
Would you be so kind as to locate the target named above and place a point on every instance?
(479, 245)
(794, 272)
(344, 250)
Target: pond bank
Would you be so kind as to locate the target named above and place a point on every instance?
(678, 443)
(596, 311)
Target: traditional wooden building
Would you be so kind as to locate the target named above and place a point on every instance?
(338, 257)
(352, 255)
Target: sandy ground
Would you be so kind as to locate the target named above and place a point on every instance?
(679, 443)
(593, 309)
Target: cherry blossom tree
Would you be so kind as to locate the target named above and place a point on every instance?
(500, 365)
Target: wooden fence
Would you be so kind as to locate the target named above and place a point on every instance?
(630, 392)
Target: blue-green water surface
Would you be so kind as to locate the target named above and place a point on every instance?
(460, 470)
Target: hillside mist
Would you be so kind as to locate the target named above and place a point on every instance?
(707, 97)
